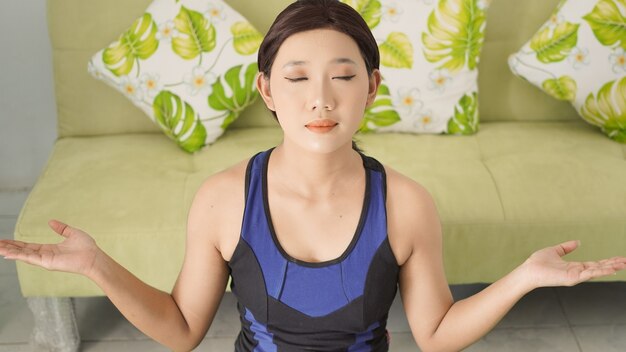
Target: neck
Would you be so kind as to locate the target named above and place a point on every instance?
(315, 175)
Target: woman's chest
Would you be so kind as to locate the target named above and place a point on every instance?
(315, 231)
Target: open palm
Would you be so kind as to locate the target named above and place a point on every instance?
(76, 254)
(546, 267)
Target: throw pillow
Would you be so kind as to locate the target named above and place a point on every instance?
(429, 52)
(579, 56)
(188, 64)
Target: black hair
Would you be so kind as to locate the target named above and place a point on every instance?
(305, 15)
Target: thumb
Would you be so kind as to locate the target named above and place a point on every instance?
(566, 247)
(60, 228)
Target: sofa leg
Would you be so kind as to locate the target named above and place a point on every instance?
(55, 324)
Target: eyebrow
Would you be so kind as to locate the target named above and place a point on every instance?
(339, 60)
(344, 60)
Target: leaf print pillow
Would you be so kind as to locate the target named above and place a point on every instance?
(188, 64)
(429, 52)
(579, 55)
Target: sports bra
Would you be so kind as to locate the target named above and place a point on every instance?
(286, 304)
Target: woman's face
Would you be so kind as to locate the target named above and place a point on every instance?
(319, 89)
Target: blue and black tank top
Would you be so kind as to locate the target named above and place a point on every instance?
(289, 305)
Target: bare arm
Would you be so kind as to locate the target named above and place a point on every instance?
(178, 320)
(181, 319)
(437, 322)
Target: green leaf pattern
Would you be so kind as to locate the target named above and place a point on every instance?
(197, 34)
(555, 45)
(396, 51)
(608, 23)
(179, 121)
(370, 10)
(172, 97)
(139, 42)
(465, 119)
(381, 113)
(591, 38)
(242, 93)
(563, 88)
(246, 39)
(607, 109)
(455, 34)
(452, 40)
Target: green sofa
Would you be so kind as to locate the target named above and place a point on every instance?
(534, 175)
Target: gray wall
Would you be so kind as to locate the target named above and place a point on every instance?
(27, 107)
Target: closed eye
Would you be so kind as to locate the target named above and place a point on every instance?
(296, 79)
(345, 78)
(293, 80)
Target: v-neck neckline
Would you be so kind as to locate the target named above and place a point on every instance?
(355, 237)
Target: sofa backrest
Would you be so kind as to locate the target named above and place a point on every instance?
(86, 106)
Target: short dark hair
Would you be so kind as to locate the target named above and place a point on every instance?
(306, 15)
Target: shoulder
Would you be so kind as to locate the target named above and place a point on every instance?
(402, 187)
(217, 187)
(223, 189)
(412, 217)
(217, 209)
(407, 196)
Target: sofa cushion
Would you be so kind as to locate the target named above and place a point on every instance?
(578, 56)
(125, 190)
(493, 189)
(429, 54)
(79, 28)
(189, 65)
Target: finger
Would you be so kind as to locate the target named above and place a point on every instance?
(30, 253)
(29, 257)
(609, 260)
(599, 266)
(619, 266)
(60, 228)
(613, 261)
(12, 244)
(4, 243)
(7, 245)
(616, 263)
(596, 273)
(18, 253)
(566, 247)
(4, 248)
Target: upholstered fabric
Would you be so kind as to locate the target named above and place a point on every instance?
(429, 53)
(534, 175)
(578, 56)
(80, 28)
(504, 97)
(502, 193)
(188, 65)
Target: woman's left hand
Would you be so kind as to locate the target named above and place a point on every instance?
(546, 267)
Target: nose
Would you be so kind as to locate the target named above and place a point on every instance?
(322, 96)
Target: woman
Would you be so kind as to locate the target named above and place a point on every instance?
(316, 235)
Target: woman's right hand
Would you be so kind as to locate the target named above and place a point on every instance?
(76, 254)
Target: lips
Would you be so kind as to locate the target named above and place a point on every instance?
(322, 123)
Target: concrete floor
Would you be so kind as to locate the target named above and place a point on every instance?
(588, 317)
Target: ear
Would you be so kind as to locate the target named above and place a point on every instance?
(374, 83)
(263, 86)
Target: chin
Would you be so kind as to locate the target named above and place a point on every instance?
(324, 147)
